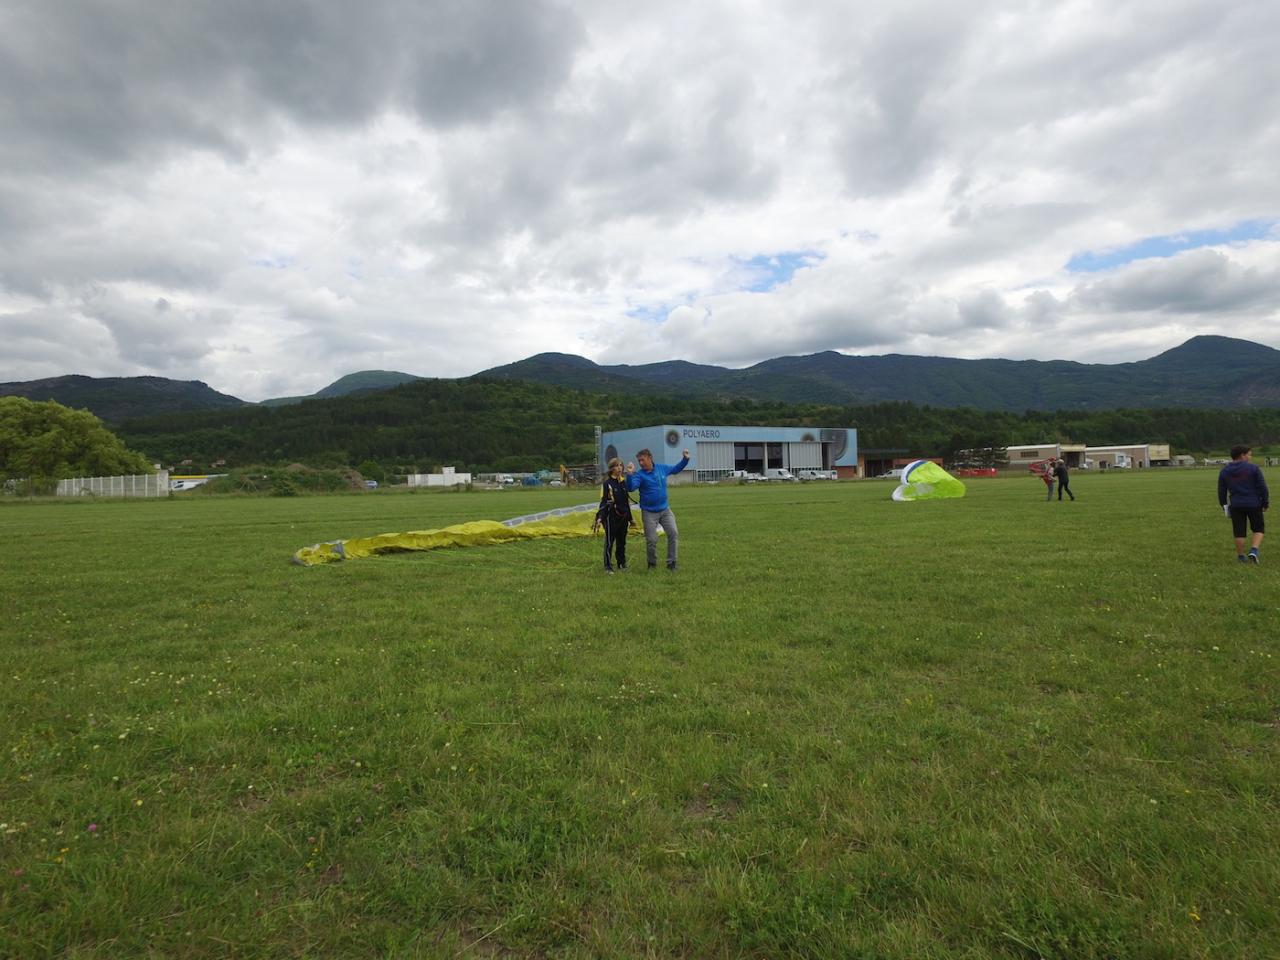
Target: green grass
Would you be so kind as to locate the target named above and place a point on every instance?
(992, 727)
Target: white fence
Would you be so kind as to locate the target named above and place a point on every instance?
(448, 477)
(141, 485)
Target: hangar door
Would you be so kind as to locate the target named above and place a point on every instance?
(804, 456)
(714, 460)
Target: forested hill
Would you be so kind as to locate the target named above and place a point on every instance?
(115, 398)
(512, 425)
(364, 381)
(1212, 372)
(1203, 372)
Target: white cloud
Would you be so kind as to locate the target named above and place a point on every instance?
(440, 187)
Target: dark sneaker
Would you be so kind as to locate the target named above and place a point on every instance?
(1240, 558)
(1253, 558)
(671, 567)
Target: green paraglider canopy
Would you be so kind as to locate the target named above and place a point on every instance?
(925, 480)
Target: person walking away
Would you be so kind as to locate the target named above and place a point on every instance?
(655, 512)
(1243, 496)
(615, 516)
(1064, 480)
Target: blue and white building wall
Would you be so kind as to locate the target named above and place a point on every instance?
(715, 452)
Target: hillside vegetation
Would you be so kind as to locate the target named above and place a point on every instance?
(1205, 372)
(112, 399)
(42, 442)
(512, 425)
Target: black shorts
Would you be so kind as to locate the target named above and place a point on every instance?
(1253, 515)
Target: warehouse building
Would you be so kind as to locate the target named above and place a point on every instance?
(716, 452)
(1072, 453)
(1080, 456)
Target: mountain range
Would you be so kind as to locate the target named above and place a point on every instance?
(1203, 372)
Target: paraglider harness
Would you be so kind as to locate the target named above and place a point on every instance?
(611, 506)
(615, 516)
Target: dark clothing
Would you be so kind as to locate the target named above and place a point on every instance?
(614, 500)
(615, 516)
(1064, 481)
(1253, 515)
(1244, 482)
(615, 542)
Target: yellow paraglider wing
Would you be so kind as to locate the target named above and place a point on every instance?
(925, 480)
(561, 522)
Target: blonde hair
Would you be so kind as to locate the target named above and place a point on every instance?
(615, 462)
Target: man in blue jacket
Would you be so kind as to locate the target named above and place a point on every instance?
(1249, 499)
(651, 481)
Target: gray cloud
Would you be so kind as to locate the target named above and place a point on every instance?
(90, 83)
(1199, 281)
(153, 334)
(440, 186)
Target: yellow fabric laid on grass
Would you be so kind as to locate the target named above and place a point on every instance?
(561, 522)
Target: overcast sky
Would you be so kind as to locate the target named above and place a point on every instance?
(268, 195)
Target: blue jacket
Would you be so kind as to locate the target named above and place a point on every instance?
(1245, 483)
(652, 484)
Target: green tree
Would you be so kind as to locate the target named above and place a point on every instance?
(43, 440)
(370, 470)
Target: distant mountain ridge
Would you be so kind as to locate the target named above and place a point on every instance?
(1206, 371)
(1203, 372)
(360, 382)
(117, 398)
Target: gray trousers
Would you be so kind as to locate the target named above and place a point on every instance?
(667, 520)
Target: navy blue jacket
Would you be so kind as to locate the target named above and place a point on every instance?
(1244, 481)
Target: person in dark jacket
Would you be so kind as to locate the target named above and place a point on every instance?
(1064, 480)
(1242, 484)
(615, 516)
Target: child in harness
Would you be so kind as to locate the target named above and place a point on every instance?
(615, 516)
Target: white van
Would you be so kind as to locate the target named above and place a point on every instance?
(812, 474)
(746, 476)
(780, 473)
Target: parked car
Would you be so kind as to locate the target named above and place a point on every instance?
(813, 474)
(780, 473)
(371, 484)
(746, 475)
(894, 474)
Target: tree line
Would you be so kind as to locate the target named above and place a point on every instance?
(484, 424)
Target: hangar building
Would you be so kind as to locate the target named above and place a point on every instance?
(715, 452)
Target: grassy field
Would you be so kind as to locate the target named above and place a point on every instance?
(991, 727)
